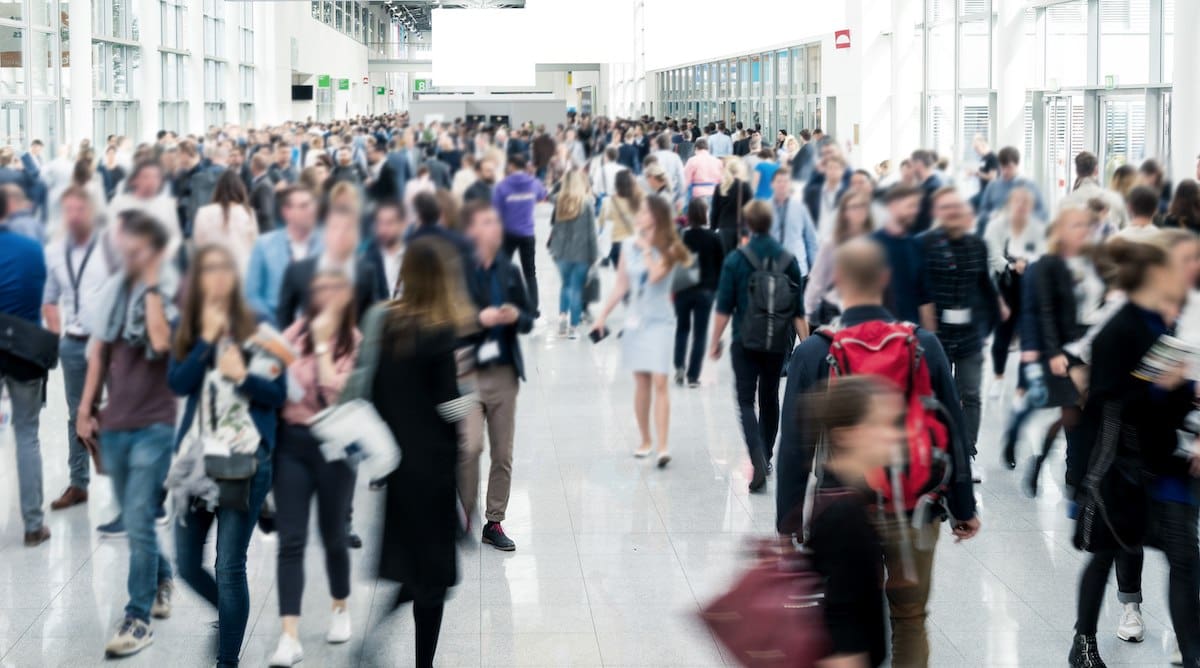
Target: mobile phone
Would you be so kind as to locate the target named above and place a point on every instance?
(598, 335)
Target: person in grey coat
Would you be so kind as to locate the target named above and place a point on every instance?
(573, 247)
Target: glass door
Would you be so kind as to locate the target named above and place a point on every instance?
(1122, 131)
(1064, 134)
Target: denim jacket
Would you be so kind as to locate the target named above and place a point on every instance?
(269, 260)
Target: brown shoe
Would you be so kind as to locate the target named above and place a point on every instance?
(35, 538)
(72, 497)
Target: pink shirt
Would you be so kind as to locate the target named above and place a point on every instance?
(304, 372)
(702, 168)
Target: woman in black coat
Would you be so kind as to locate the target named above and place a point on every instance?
(1131, 485)
(729, 198)
(414, 387)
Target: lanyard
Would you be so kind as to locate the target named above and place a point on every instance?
(783, 221)
(77, 278)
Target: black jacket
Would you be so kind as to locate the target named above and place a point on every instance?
(480, 190)
(512, 287)
(724, 213)
(1058, 322)
(294, 293)
(807, 368)
(706, 248)
(262, 200)
(812, 194)
(374, 256)
(439, 173)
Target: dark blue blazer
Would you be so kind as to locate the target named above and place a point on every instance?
(186, 378)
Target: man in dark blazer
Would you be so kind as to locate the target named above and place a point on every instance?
(262, 192)
(504, 312)
(341, 241)
(386, 250)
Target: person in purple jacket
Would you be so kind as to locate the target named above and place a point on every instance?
(515, 198)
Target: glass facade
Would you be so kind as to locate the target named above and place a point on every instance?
(352, 18)
(778, 89)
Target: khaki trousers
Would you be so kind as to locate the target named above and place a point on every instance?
(908, 557)
(497, 387)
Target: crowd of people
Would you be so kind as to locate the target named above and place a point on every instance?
(210, 300)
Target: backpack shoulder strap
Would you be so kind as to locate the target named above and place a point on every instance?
(782, 260)
(751, 257)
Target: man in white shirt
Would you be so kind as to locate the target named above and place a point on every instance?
(77, 266)
(671, 164)
(719, 143)
(1088, 187)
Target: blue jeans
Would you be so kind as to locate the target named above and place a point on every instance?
(26, 398)
(72, 357)
(229, 592)
(570, 296)
(137, 462)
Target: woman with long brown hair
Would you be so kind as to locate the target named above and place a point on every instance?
(228, 220)
(573, 247)
(408, 371)
(648, 262)
(326, 342)
(224, 401)
(853, 219)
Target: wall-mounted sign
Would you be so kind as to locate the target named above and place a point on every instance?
(366, 80)
(1110, 81)
(343, 84)
(380, 90)
(323, 80)
(421, 85)
(841, 39)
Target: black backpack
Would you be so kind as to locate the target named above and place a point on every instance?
(772, 304)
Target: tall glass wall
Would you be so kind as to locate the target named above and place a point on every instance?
(31, 76)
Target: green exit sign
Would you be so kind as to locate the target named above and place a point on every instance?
(343, 84)
(1110, 81)
(323, 80)
(380, 90)
(421, 85)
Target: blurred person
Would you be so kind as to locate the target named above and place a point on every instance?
(804, 159)
(1015, 239)
(822, 195)
(502, 304)
(439, 171)
(277, 250)
(648, 261)
(760, 340)
(930, 181)
(485, 180)
(670, 163)
(1087, 187)
(821, 302)
(573, 246)
(229, 220)
(413, 385)
(907, 293)
(385, 252)
(861, 418)
(702, 173)
(861, 277)
(21, 286)
(728, 204)
(1150, 175)
(134, 431)
(619, 212)
(721, 144)
(995, 196)
(21, 218)
(208, 363)
(262, 194)
(515, 198)
(790, 224)
(693, 306)
(327, 342)
(1143, 209)
(145, 193)
(78, 265)
(1185, 207)
(964, 298)
(340, 247)
(1123, 180)
(111, 171)
(986, 170)
(465, 176)
(282, 171)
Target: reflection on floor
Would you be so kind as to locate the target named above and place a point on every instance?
(614, 556)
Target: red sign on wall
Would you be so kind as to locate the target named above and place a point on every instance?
(841, 39)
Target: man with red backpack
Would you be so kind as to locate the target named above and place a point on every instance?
(932, 477)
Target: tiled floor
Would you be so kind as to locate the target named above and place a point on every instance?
(614, 559)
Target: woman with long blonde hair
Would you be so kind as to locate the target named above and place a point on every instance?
(573, 247)
(730, 197)
(646, 270)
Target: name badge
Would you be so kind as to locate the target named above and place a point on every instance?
(488, 352)
(956, 316)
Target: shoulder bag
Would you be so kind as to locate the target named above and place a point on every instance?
(26, 340)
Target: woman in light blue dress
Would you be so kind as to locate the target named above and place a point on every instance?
(648, 261)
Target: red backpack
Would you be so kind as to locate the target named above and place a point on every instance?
(891, 350)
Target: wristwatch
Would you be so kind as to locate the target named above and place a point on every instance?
(321, 348)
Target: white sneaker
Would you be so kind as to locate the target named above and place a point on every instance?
(1132, 628)
(563, 324)
(996, 390)
(287, 653)
(572, 333)
(1176, 655)
(339, 627)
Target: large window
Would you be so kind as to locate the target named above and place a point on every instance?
(173, 109)
(172, 19)
(352, 18)
(246, 61)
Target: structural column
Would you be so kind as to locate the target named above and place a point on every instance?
(193, 22)
(1185, 94)
(149, 85)
(907, 80)
(1012, 49)
(80, 45)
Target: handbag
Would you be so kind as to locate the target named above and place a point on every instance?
(229, 466)
(684, 277)
(773, 616)
(353, 431)
(27, 341)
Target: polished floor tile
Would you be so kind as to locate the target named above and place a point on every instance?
(614, 559)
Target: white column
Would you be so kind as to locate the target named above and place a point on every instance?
(193, 25)
(907, 81)
(149, 85)
(1011, 53)
(80, 45)
(233, 56)
(1185, 94)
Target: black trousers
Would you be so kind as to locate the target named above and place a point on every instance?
(754, 373)
(1173, 529)
(692, 309)
(1006, 330)
(300, 473)
(1094, 582)
(526, 247)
